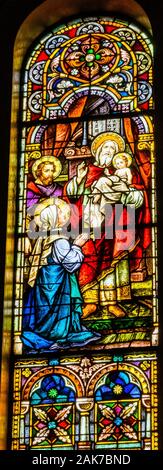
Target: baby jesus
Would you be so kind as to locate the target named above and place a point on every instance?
(110, 188)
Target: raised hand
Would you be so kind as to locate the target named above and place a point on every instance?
(28, 246)
(81, 239)
(106, 171)
(82, 170)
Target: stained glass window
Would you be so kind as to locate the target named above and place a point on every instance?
(86, 261)
(102, 402)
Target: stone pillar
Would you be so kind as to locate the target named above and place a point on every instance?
(84, 406)
(24, 411)
(147, 439)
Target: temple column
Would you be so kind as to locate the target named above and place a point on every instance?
(84, 406)
(147, 439)
(23, 437)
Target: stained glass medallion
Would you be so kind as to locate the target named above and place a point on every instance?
(88, 59)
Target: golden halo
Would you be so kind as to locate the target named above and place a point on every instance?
(63, 210)
(48, 159)
(122, 154)
(103, 137)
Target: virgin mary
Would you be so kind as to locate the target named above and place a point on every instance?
(53, 302)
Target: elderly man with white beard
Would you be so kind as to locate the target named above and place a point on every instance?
(104, 266)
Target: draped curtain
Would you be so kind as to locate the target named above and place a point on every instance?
(141, 180)
(57, 136)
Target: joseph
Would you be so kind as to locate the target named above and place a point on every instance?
(44, 170)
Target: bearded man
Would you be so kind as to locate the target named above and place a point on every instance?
(104, 276)
(45, 170)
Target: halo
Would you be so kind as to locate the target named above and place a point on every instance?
(48, 159)
(121, 154)
(63, 210)
(103, 137)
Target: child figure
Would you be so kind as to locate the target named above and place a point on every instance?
(109, 188)
(122, 161)
(113, 186)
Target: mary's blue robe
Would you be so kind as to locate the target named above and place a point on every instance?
(52, 308)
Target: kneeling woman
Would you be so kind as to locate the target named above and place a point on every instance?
(53, 302)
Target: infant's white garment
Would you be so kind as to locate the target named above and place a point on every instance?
(124, 174)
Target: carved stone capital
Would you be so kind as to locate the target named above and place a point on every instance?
(146, 142)
(146, 401)
(84, 405)
(24, 407)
